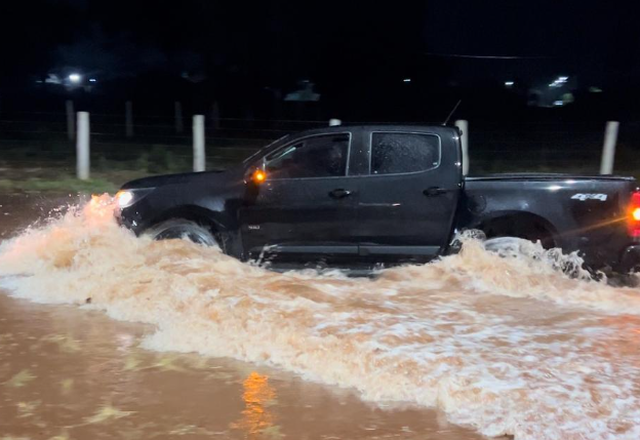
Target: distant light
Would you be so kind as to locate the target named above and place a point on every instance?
(594, 89)
(92, 80)
(407, 80)
(558, 103)
(75, 78)
(559, 82)
(509, 83)
(52, 79)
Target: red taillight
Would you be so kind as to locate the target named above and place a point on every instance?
(633, 215)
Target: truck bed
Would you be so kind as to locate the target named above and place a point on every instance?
(577, 212)
(545, 176)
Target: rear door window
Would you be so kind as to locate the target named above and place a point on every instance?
(396, 153)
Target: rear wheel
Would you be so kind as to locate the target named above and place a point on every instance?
(506, 245)
(511, 247)
(181, 228)
(518, 227)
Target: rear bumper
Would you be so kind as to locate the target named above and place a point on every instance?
(630, 258)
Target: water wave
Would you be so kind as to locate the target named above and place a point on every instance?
(506, 344)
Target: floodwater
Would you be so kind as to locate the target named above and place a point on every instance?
(104, 335)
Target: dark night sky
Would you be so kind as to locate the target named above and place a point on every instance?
(304, 38)
(340, 45)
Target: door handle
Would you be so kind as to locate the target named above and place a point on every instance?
(434, 191)
(339, 193)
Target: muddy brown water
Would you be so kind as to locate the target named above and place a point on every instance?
(69, 374)
(72, 374)
(22, 210)
(106, 335)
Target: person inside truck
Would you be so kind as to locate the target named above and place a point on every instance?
(321, 157)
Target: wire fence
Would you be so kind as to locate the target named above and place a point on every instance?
(159, 144)
(550, 147)
(153, 145)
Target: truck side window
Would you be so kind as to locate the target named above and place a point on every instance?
(319, 156)
(393, 153)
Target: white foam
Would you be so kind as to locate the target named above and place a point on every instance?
(506, 345)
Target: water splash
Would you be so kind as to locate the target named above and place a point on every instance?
(508, 344)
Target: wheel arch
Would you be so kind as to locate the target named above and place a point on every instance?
(213, 220)
(521, 224)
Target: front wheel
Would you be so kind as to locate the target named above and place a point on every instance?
(180, 228)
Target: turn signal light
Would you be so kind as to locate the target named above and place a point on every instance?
(259, 176)
(636, 214)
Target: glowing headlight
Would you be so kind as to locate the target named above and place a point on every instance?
(127, 197)
(124, 198)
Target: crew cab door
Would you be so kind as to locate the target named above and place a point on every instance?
(307, 204)
(408, 199)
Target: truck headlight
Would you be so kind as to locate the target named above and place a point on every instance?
(127, 197)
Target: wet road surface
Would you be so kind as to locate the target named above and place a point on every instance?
(501, 345)
(67, 373)
(73, 374)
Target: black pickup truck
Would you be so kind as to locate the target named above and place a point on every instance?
(381, 194)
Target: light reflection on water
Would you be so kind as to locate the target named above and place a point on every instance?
(258, 396)
(69, 374)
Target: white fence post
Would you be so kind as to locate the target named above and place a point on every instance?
(82, 146)
(609, 147)
(334, 122)
(128, 108)
(179, 121)
(71, 120)
(464, 142)
(199, 158)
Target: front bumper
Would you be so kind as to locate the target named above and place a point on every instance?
(128, 218)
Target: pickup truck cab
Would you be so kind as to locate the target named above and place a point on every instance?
(380, 194)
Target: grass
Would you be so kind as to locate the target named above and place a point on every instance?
(61, 179)
(64, 184)
(35, 168)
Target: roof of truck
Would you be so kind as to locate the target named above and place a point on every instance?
(380, 127)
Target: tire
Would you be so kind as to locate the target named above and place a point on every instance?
(514, 246)
(505, 245)
(181, 229)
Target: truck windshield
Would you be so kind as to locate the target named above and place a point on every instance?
(264, 150)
